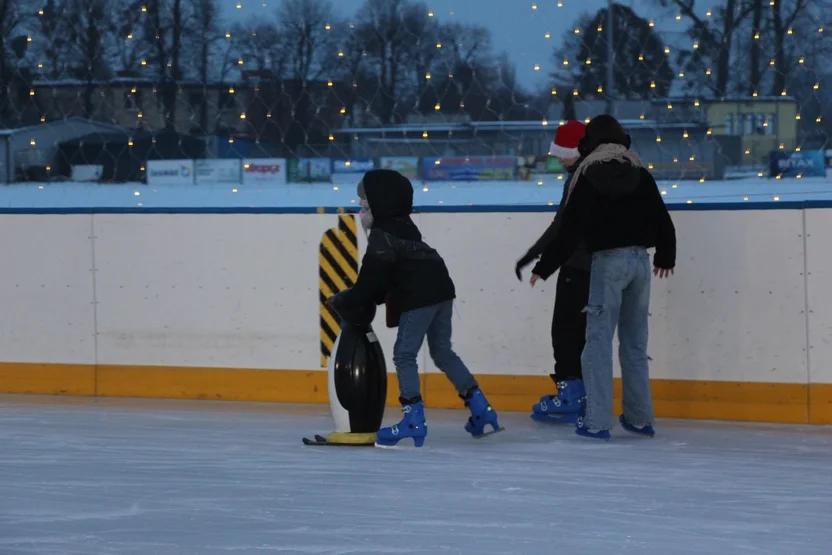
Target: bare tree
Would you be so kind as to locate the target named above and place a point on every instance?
(354, 74)
(87, 23)
(756, 49)
(424, 52)
(784, 14)
(260, 46)
(128, 45)
(54, 45)
(385, 40)
(163, 31)
(713, 36)
(302, 25)
(13, 16)
(210, 51)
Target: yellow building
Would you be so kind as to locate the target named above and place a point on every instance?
(763, 123)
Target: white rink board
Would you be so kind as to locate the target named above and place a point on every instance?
(241, 291)
(217, 291)
(819, 269)
(500, 326)
(46, 289)
(735, 310)
(737, 273)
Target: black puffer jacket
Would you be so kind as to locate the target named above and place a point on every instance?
(615, 203)
(397, 261)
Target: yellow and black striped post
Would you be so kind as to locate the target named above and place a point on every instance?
(337, 270)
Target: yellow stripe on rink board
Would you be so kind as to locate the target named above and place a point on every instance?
(738, 401)
(47, 379)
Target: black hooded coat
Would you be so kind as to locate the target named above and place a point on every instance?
(397, 262)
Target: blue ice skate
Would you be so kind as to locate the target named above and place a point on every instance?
(413, 425)
(482, 414)
(645, 431)
(564, 407)
(583, 431)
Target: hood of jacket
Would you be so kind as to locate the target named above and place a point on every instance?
(389, 194)
(612, 169)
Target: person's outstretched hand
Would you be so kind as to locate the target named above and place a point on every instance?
(534, 279)
(662, 273)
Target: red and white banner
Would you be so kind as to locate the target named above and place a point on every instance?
(264, 171)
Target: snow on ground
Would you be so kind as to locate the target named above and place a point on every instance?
(546, 191)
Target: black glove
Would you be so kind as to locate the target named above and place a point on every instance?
(522, 263)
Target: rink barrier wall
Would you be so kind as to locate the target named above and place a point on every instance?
(215, 304)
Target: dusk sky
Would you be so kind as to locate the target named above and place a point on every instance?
(516, 27)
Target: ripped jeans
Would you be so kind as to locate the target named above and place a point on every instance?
(619, 295)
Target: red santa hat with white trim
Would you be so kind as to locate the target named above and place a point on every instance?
(567, 138)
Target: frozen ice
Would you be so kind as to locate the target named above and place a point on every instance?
(147, 477)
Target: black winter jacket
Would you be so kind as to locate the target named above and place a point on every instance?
(614, 204)
(580, 259)
(397, 261)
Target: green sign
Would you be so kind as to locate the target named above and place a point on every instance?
(293, 171)
(553, 165)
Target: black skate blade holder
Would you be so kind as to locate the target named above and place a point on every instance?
(342, 439)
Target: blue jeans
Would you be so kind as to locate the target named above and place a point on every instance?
(433, 322)
(619, 295)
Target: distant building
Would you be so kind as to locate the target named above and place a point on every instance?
(763, 124)
(26, 153)
(677, 150)
(258, 106)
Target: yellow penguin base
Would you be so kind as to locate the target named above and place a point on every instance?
(344, 439)
(347, 438)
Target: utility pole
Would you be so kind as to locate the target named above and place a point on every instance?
(610, 59)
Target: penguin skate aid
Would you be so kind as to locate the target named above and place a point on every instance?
(399, 268)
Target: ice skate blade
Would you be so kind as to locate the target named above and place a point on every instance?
(552, 419)
(491, 433)
(399, 447)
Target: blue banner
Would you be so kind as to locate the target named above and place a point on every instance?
(805, 163)
(472, 168)
(352, 165)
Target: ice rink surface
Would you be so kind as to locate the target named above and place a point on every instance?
(129, 477)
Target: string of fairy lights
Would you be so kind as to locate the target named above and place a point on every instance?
(688, 76)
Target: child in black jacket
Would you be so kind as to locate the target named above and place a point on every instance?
(397, 262)
(615, 207)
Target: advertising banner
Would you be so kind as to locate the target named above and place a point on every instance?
(352, 165)
(170, 172)
(87, 173)
(309, 170)
(408, 166)
(806, 163)
(472, 168)
(264, 171)
(210, 172)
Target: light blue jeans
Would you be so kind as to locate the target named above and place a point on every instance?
(619, 295)
(433, 322)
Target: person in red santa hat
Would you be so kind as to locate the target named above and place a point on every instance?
(571, 296)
